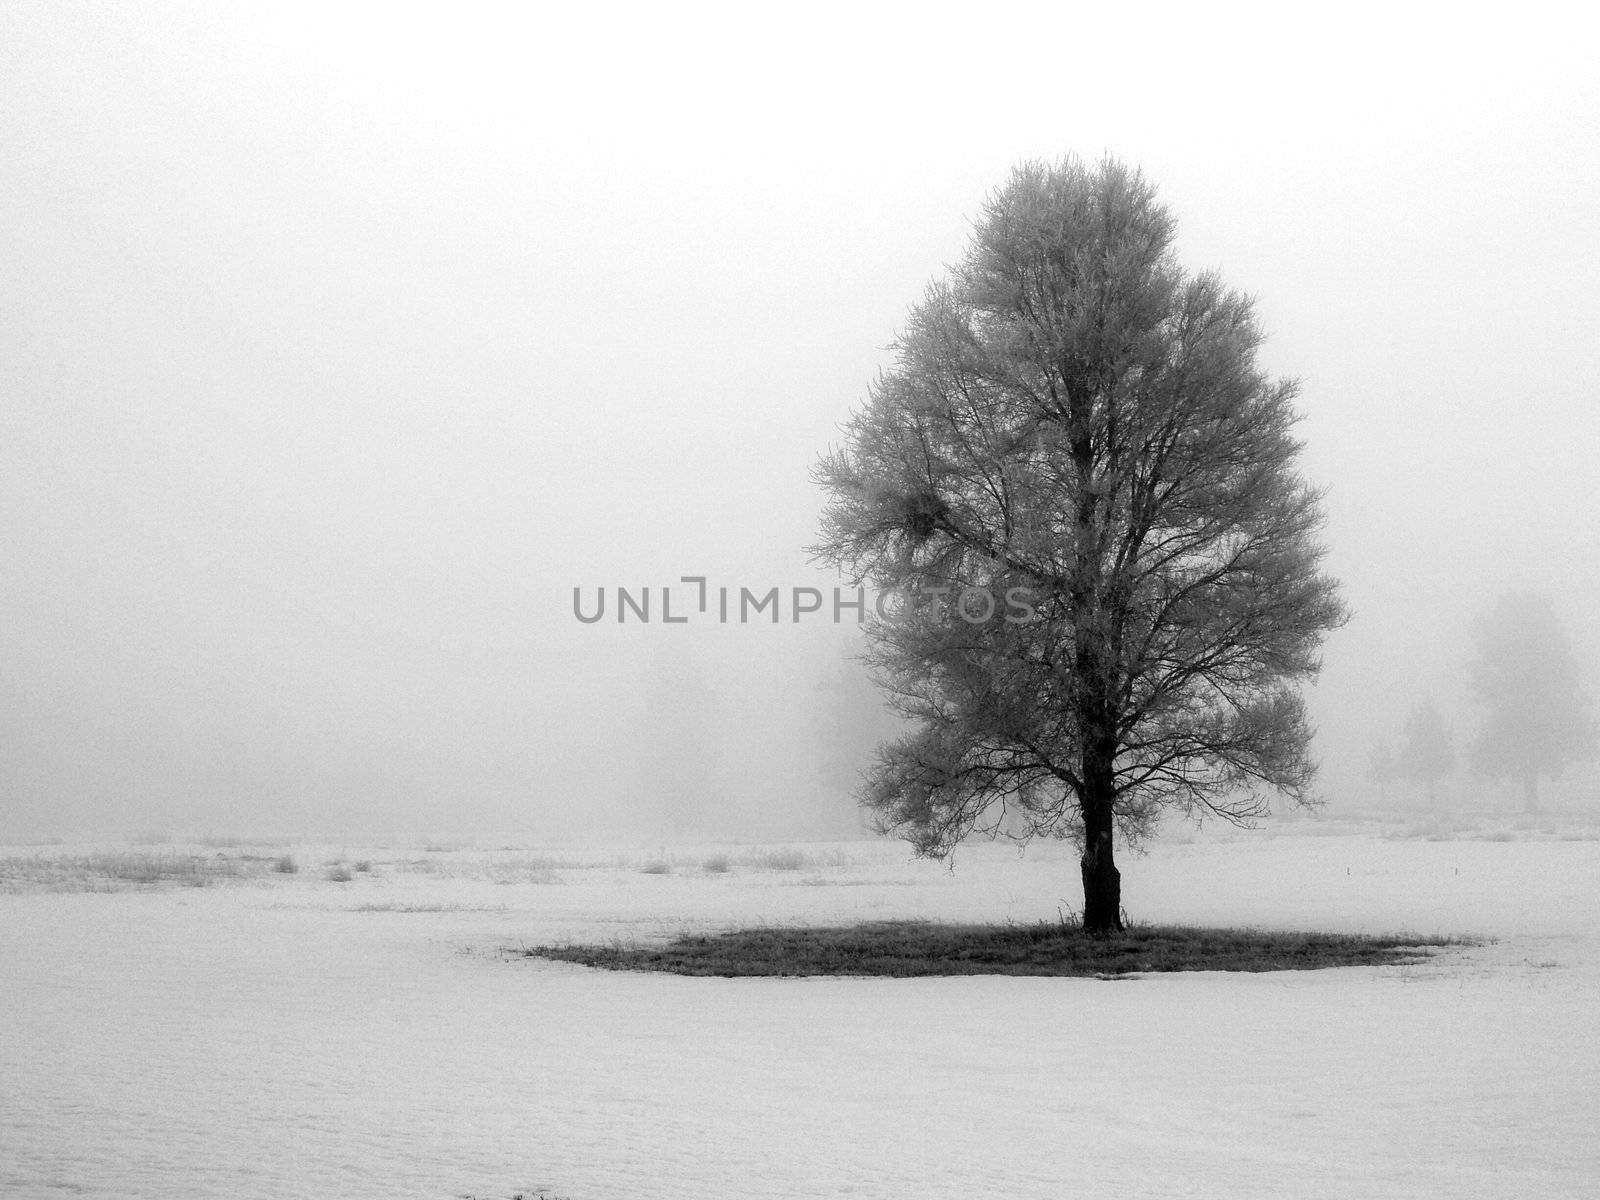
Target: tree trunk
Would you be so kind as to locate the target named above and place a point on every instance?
(1102, 887)
(1102, 882)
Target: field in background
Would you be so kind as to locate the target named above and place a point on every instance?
(264, 1018)
(156, 858)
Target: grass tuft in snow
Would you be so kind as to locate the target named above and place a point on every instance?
(908, 948)
(404, 907)
(115, 871)
(784, 859)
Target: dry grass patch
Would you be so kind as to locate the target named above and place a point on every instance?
(114, 870)
(912, 948)
(423, 907)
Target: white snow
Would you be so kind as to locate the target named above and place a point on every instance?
(282, 1035)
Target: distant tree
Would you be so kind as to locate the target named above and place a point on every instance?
(1523, 672)
(1073, 414)
(1427, 755)
(679, 760)
(1381, 766)
(851, 720)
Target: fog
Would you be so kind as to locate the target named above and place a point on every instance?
(340, 345)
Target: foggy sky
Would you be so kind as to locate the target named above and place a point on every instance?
(339, 344)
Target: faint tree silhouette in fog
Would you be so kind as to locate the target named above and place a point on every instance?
(1536, 722)
(1075, 415)
(1380, 767)
(680, 759)
(1428, 753)
(852, 719)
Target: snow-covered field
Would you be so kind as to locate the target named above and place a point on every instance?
(262, 1034)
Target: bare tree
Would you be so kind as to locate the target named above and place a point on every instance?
(1536, 722)
(1073, 415)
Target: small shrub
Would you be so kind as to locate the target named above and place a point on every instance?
(717, 864)
(285, 864)
(339, 874)
(656, 868)
(362, 866)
